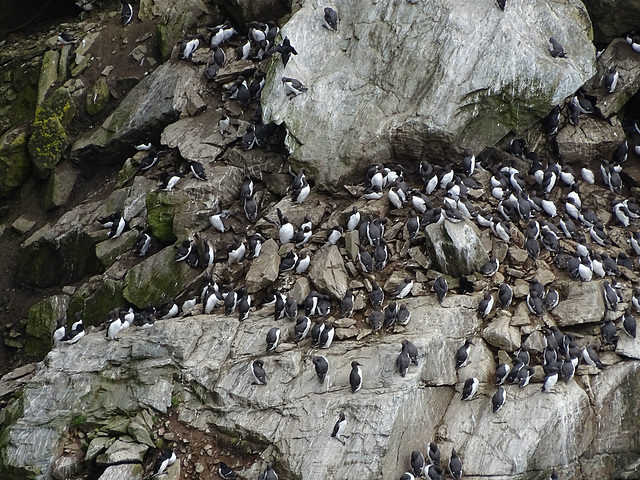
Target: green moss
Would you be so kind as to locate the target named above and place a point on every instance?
(96, 300)
(15, 166)
(160, 217)
(48, 136)
(157, 279)
(42, 321)
(79, 420)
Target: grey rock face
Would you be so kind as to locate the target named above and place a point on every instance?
(155, 102)
(612, 20)
(583, 304)
(264, 270)
(328, 273)
(455, 248)
(398, 83)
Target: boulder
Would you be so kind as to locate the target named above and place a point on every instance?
(264, 269)
(48, 136)
(44, 318)
(61, 254)
(97, 96)
(611, 19)
(48, 73)
(327, 272)
(151, 105)
(15, 166)
(109, 250)
(583, 303)
(59, 186)
(390, 80)
(169, 279)
(194, 137)
(501, 335)
(130, 471)
(455, 248)
(177, 19)
(619, 54)
(592, 140)
(122, 452)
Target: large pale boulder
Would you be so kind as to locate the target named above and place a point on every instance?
(455, 248)
(409, 80)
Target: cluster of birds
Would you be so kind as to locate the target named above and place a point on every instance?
(522, 196)
(432, 470)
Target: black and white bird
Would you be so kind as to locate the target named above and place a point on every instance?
(293, 87)
(338, 428)
(226, 472)
(321, 365)
(257, 370)
(127, 13)
(591, 357)
(273, 338)
(269, 473)
(330, 19)
(165, 460)
(417, 463)
(462, 355)
(355, 377)
(402, 362)
(346, 304)
(486, 305)
(455, 465)
(440, 287)
(502, 372)
(498, 399)
(433, 452)
(470, 388)
(629, 323)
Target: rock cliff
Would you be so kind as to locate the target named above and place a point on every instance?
(394, 96)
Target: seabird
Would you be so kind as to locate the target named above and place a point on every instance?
(303, 325)
(376, 295)
(402, 362)
(404, 288)
(417, 463)
(390, 314)
(291, 308)
(490, 268)
(226, 472)
(355, 377)
(611, 80)
(433, 452)
(293, 87)
(455, 465)
(269, 473)
(376, 319)
(440, 287)
(591, 357)
(166, 459)
(498, 399)
(610, 296)
(316, 331)
(346, 304)
(321, 365)
(486, 304)
(551, 378)
(338, 428)
(330, 19)
(403, 316)
(524, 375)
(502, 372)
(629, 323)
(273, 338)
(127, 12)
(236, 250)
(257, 369)
(470, 388)
(462, 355)
(326, 336)
(143, 243)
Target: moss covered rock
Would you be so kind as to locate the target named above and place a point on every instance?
(157, 279)
(95, 299)
(109, 250)
(43, 320)
(15, 166)
(455, 249)
(97, 96)
(160, 212)
(48, 136)
(50, 258)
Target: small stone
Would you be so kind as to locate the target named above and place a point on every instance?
(264, 269)
(199, 468)
(517, 256)
(521, 316)
(69, 289)
(499, 251)
(107, 70)
(22, 225)
(138, 53)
